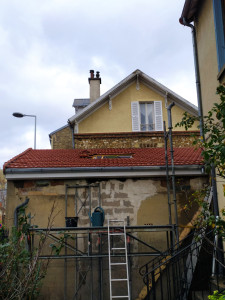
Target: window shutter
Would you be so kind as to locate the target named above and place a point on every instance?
(219, 32)
(158, 116)
(135, 116)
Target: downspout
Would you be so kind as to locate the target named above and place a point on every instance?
(72, 132)
(172, 166)
(197, 76)
(200, 114)
(218, 240)
(17, 210)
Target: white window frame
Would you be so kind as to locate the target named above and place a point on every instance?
(147, 125)
(136, 120)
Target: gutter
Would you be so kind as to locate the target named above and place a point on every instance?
(101, 172)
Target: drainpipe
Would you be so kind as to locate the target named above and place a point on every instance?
(72, 133)
(197, 76)
(200, 114)
(218, 240)
(17, 210)
(172, 166)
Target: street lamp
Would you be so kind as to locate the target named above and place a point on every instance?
(19, 115)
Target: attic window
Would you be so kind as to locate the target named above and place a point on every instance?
(111, 156)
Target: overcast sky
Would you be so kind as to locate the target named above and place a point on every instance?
(47, 48)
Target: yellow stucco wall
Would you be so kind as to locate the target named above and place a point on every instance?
(208, 67)
(118, 119)
(144, 201)
(207, 55)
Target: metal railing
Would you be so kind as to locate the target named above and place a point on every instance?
(183, 273)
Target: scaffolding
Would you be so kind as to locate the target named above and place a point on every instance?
(97, 253)
(88, 243)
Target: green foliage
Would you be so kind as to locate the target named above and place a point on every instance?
(217, 296)
(213, 152)
(213, 146)
(21, 273)
(57, 247)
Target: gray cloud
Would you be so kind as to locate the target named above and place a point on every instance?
(47, 48)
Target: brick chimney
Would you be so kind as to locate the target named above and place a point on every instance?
(94, 85)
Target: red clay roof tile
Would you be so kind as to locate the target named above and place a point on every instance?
(70, 158)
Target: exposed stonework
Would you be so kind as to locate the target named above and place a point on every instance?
(132, 140)
(62, 139)
(143, 200)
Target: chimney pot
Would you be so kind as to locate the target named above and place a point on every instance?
(92, 72)
(97, 74)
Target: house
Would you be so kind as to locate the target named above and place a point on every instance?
(129, 115)
(110, 154)
(127, 183)
(208, 30)
(208, 18)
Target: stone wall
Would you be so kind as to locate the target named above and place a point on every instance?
(62, 139)
(132, 140)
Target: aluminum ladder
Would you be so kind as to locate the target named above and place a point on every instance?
(116, 253)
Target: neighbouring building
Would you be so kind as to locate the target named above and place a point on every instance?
(207, 21)
(129, 115)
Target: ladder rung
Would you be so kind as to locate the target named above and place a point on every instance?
(118, 248)
(120, 296)
(119, 279)
(117, 233)
(116, 221)
(115, 264)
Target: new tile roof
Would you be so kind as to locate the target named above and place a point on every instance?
(72, 158)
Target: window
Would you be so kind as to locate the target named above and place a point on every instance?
(147, 116)
(219, 17)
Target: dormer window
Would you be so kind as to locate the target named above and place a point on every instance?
(147, 116)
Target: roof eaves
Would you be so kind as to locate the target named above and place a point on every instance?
(15, 158)
(61, 128)
(160, 88)
(164, 90)
(110, 93)
(189, 10)
(97, 172)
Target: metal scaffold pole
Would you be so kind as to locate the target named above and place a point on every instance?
(170, 127)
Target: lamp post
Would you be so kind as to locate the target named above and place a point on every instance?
(19, 115)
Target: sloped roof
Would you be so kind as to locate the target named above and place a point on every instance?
(72, 158)
(118, 88)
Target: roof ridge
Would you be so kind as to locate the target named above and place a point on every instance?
(15, 158)
(120, 85)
